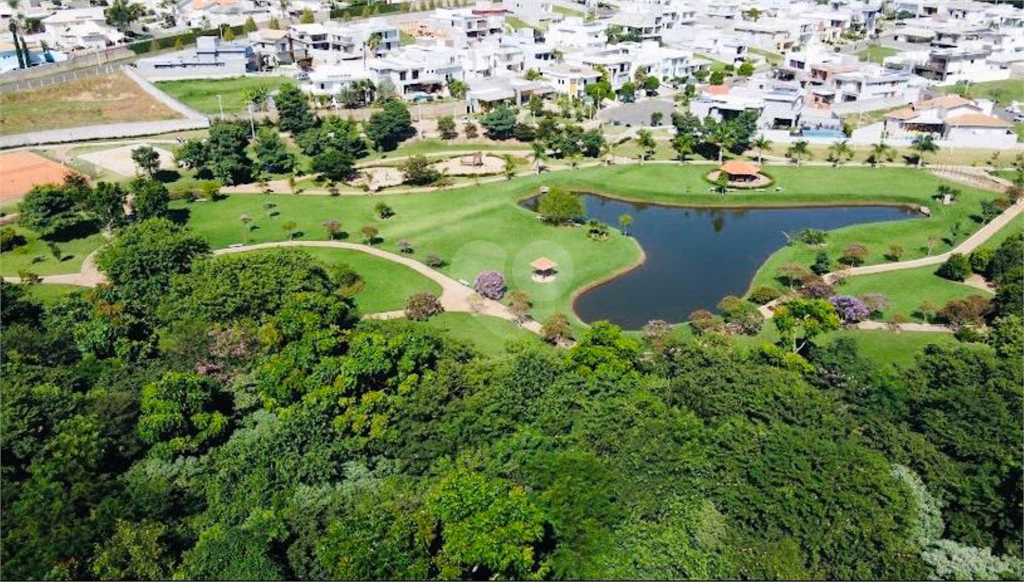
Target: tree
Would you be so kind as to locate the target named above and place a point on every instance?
(499, 122)
(272, 154)
(422, 306)
(333, 227)
(490, 284)
(289, 228)
(717, 77)
(226, 155)
(150, 199)
(228, 34)
(147, 159)
(307, 17)
(143, 257)
(854, 254)
(880, 151)
(293, 112)
(645, 140)
(683, 145)
(466, 505)
(121, 14)
(446, 125)
(389, 126)
(599, 91)
(106, 202)
(135, 552)
(509, 166)
(799, 150)
(923, 144)
(457, 89)
(651, 84)
(627, 92)
(592, 143)
(470, 130)
(720, 134)
(850, 309)
(536, 104)
(746, 69)
(249, 26)
(840, 151)
(519, 304)
(334, 165)
(419, 171)
(370, 234)
(761, 143)
(656, 118)
(560, 207)
(956, 268)
(181, 414)
(801, 320)
(556, 329)
(50, 210)
(895, 252)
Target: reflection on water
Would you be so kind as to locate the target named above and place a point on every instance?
(696, 256)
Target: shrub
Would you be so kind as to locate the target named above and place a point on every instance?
(895, 252)
(812, 236)
(980, 260)
(822, 264)
(817, 289)
(854, 254)
(957, 268)
(10, 239)
(875, 302)
(490, 284)
(741, 315)
(556, 329)
(405, 246)
(849, 308)
(433, 261)
(369, 234)
(419, 171)
(792, 275)
(968, 311)
(519, 304)
(656, 331)
(383, 211)
(422, 306)
(560, 207)
(703, 321)
(765, 294)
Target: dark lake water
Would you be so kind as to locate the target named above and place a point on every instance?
(696, 256)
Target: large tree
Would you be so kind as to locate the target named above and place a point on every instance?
(293, 112)
(390, 126)
(499, 122)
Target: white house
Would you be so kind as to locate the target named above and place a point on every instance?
(574, 32)
(569, 79)
(211, 58)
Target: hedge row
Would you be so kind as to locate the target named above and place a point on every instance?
(187, 38)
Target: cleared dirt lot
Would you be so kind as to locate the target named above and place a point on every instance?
(97, 100)
(20, 171)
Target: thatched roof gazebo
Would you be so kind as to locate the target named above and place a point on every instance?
(741, 174)
(544, 270)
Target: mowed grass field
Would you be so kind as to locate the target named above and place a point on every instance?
(907, 290)
(386, 284)
(488, 334)
(37, 258)
(201, 94)
(95, 100)
(1002, 92)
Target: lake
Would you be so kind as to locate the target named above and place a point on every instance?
(697, 256)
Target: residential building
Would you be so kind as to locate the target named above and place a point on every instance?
(212, 57)
(574, 32)
(569, 79)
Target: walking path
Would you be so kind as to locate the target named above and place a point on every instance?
(965, 248)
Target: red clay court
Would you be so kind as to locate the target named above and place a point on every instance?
(20, 171)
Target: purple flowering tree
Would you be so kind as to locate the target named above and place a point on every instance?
(849, 308)
(490, 284)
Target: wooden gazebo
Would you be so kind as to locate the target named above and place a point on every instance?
(544, 270)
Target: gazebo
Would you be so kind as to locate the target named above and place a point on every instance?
(543, 270)
(740, 171)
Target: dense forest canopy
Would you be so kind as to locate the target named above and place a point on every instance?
(232, 418)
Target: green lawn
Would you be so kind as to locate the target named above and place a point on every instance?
(906, 290)
(488, 334)
(386, 284)
(426, 147)
(876, 53)
(1012, 229)
(482, 228)
(201, 95)
(37, 258)
(1002, 92)
(886, 347)
(47, 293)
(772, 58)
(516, 23)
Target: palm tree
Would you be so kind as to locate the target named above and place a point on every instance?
(924, 144)
(879, 151)
(371, 45)
(799, 150)
(646, 141)
(721, 136)
(246, 219)
(761, 143)
(683, 145)
(840, 150)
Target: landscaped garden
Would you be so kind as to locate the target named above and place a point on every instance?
(907, 290)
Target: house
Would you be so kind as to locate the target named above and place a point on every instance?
(212, 57)
(569, 79)
(469, 23)
(274, 47)
(484, 93)
(979, 128)
(574, 32)
(80, 28)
